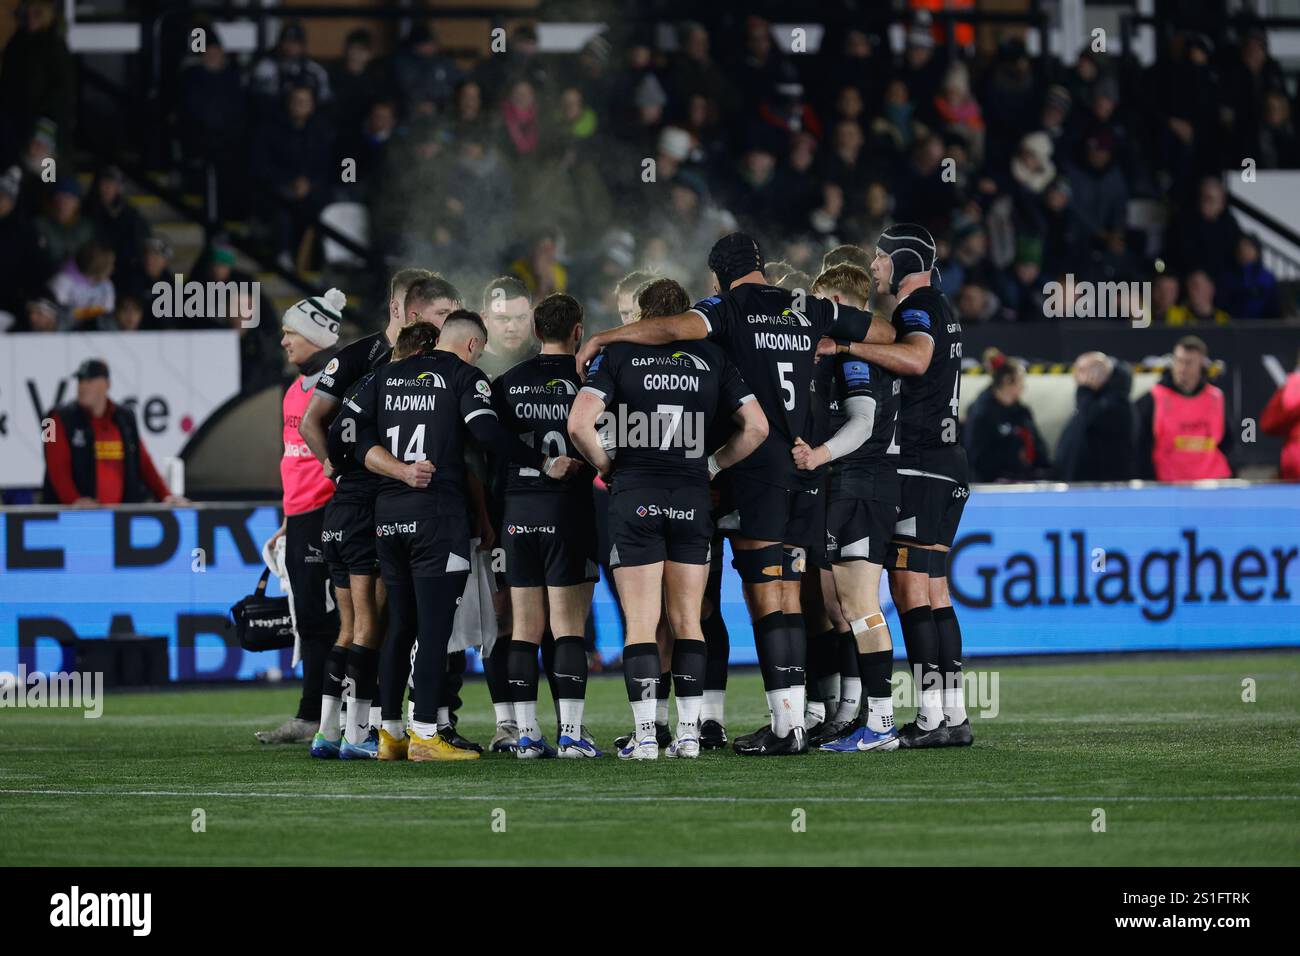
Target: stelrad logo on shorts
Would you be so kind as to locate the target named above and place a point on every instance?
(530, 529)
(398, 527)
(673, 514)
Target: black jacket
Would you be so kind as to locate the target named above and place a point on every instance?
(1003, 442)
(1097, 444)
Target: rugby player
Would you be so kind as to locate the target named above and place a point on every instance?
(770, 334)
(661, 399)
(508, 314)
(861, 512)
(311, 330)
(550, 535)
(348, 534)
(625, 294)
(932, 470)
(421, 409)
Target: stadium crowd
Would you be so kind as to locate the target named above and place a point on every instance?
(639, 152)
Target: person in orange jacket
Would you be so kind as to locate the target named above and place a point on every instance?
(1281, 417)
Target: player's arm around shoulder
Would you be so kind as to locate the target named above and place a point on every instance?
(661, 330)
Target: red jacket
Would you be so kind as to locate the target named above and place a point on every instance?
(109, 451)
(1281, 417)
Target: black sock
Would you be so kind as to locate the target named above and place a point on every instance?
(823, 662)
(336, 664)
(922, 638)
(362, 669)
(876, 667)
(548, 668)
(314, 656)
(641, 670)
(457, 662)
(797, 641)
(846, 652)
(945, 621)
(664, 688)
(435, 601)
(773, 651)
(496, 670)
(718, 643)
(570, 668)
(523, 672)
(395, 656)
(689, 664)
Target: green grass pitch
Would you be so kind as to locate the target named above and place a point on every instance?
(1186, 772)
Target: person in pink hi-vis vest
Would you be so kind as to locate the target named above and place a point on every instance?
(311, 330)
(1183, 428)
(1281, 417)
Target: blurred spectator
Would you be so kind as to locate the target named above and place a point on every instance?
(63, 229)
(519, 118)
(958, 112)
(155, 262)
(22, 267)
(96, 456)
(1182, 429)
(127, 316)
(1247, 80)
(540, 269)
(976, 304)
(41, 315)
(425, 79)
(896, 128)
(1097, 443)
(116, 221)
(37, 76)
(1199, 307)
(1009, 99)
(286, 69)
(1249, 291)
(1066, 245)
(923, 68)
(694, 72)
(1281, 418)
(1207, 237)
(1099, 194)
(293, 160)
(1001, 438)
(1279, 147)
(1022, 289)
(83, 288)
(521, 60)
(356, 81)
(1166, 290)
(212, 120)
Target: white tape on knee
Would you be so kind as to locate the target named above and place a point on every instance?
(865, 624)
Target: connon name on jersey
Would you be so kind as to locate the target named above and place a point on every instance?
(422, 402)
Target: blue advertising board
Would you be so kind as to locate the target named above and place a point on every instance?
(1047, 570)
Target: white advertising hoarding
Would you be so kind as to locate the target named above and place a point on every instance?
(174, 380)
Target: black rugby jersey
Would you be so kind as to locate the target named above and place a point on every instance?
(659, 403)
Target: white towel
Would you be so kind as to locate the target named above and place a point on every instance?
(274, 558)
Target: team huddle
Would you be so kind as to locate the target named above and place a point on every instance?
(820, 440)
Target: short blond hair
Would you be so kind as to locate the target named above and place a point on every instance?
(850, 281)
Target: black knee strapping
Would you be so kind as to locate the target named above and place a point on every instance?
(758, 565)
(909, 557)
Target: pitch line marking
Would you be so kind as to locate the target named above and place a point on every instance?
(474, 798)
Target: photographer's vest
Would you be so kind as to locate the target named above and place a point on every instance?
(1187, 430)
(81, 444)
